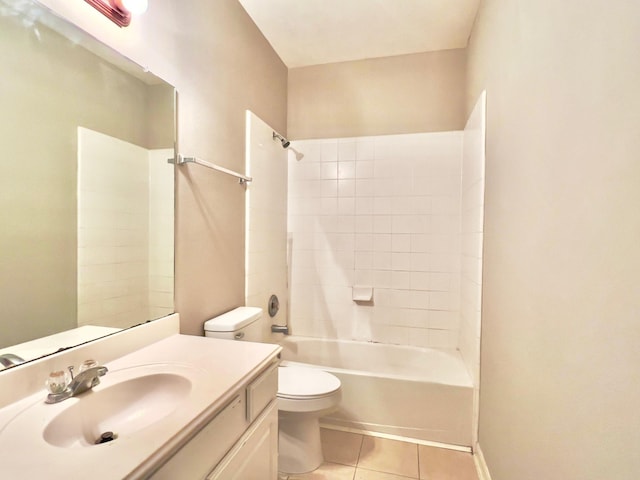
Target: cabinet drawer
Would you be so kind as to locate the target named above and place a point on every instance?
(196, 459)
(261, 391)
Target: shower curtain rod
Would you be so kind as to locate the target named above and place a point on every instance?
(180, 160)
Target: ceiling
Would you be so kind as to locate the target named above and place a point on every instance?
(311, 32)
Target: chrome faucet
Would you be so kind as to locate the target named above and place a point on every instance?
(10, 360)
(82, 382)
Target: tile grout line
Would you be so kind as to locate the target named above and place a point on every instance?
(365, 469)
(359, 453)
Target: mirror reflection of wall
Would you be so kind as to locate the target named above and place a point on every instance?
(50, 87)
(125, 231)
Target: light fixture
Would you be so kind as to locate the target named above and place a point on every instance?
(136, 7)
(119, 11)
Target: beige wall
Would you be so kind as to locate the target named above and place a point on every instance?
(221, 65)
(404, 94)
(561, 314)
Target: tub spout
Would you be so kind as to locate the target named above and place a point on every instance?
(280, 329)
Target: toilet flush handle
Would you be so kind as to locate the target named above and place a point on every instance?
(238, 336)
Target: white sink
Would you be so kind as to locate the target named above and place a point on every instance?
(123, 408)
(136, 403)
(155, 399)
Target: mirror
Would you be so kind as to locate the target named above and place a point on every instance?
(86, 192)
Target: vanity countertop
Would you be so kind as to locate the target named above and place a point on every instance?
(217, 368)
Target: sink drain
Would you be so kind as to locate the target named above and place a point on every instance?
(106, 437)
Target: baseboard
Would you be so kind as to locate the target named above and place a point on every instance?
(481, 464)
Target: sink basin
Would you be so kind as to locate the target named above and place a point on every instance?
(124, 408)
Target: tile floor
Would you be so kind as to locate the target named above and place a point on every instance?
(352, 456)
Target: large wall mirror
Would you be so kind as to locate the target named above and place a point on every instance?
(86, 192)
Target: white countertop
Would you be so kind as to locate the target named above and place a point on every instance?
(217, 368)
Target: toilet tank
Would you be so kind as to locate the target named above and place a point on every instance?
(239, 324)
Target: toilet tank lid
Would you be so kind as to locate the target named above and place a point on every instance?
(234, 320)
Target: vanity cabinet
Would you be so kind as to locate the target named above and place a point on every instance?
(255, 455)
(239, 442)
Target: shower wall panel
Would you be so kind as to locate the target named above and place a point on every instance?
(125, 231)
(266, 223)
(471, 240)
(380, 212)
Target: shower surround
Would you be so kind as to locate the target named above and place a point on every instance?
(382, 212)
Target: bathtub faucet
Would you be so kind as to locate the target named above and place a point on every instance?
(280, 329)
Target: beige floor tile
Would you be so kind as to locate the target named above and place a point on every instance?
(362, 474)
(340, 447)
(389, 456)
(443, 464)
(328, 471)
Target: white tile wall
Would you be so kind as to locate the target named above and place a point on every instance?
(379, 211)
(125, 232)
(112, 230)
(161, 234)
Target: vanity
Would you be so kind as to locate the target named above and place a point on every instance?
(179, 407)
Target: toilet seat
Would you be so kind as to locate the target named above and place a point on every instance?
(307, 390)
(300, 383)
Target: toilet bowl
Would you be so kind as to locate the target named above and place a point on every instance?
(304, 395)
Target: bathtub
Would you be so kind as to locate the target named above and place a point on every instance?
(419, 393)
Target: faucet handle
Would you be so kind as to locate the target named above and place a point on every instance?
(58, 381)
(87, 364)
(70, 368)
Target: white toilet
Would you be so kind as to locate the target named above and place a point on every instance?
(304, 394)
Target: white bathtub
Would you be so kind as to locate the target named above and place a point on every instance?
(413, 392)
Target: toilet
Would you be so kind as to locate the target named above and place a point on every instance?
(304, 394)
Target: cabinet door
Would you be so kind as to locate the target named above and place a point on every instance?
(255, 456)
(208, 447)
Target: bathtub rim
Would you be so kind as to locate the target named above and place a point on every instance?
(454, 354)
